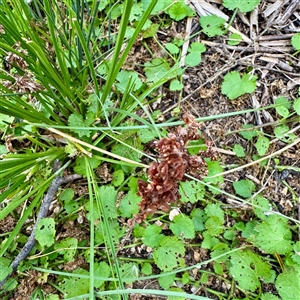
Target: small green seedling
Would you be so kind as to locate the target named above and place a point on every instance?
(239, 150)
(212, 25)
(234, 86)
(234, 39)
(194, 57)
(282, 106)
(244, 187)
(179, 10)
(296, 43)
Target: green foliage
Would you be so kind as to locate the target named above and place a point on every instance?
(136, 12)
(3, 150)
(262, 145)
(118, 177)
(215, 220)
(166, 281)
(129, 205)
(177, 297)
(81, 168)
(75, 286)
(296, 106)
(282, 106)
(214, 226)
(264, 206)
(150, 31)
(269, 296)
(176, 85)
(281, 133)
(69, 204)
(194, 56)
(5, 268)
(273, 235)
(234, 86)
(156, 69)
(248, 231)
(247, 268)
(146, 135)
(45, 232)
(242, 5)
(101, 269)
(244, 187)
(287, 283)
(191, 191)
(114, 232)
(67, 247)
(296, 41)
(169, 253)
(108, 196)
(159, 7)
(234, 39)
(248, 134)
(129, 270)
(296, 255)
(239, 150)
(199, 217)
(123, 150)
(217, 250)
(173, 49)
(67, 195)
(179, 10)
(125, 76)
(214, 210)
(75, 59)
(214, 168)
(4, 119)
(209, 241)
(152, 236)
(147, 269)
(183, 227)
(212, 25)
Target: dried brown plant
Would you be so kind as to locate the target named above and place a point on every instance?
(173, 162)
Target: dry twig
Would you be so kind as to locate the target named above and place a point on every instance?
(55, 184)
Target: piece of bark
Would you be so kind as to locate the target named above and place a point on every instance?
(288, 12)
(185, 45)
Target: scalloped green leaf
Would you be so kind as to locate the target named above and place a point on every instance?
(212, 25)
(247, 268)
(242, 5)
(234, 86)
(183, 226)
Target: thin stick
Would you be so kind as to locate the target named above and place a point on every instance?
(55, 184)
(74, 140)
(257, 161)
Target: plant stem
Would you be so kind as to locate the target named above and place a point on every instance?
(231, 20)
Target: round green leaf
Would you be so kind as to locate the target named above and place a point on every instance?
(239, 150)
(296, 41)
(173, 49)
(244, 187)
(296, 106)
(176, 85)
(234, 39)
(212, 25)
(45, 232)
(262, 145)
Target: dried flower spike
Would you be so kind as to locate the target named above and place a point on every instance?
(174, 161)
